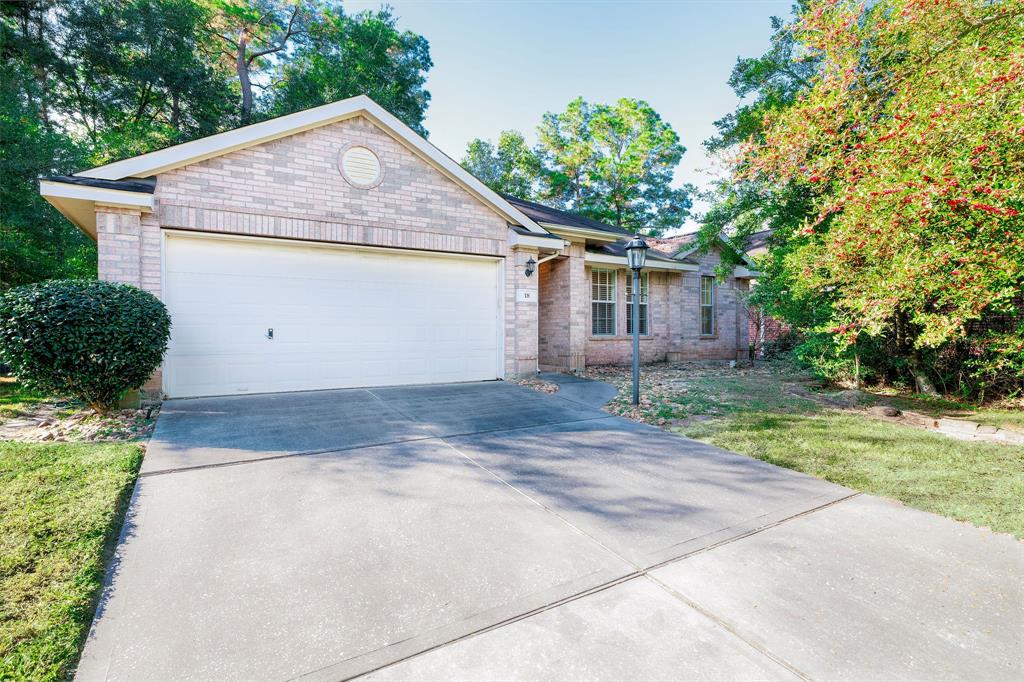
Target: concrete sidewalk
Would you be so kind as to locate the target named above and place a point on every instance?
(486, 531)
(864, 589)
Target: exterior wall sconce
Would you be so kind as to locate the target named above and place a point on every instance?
(531, 266)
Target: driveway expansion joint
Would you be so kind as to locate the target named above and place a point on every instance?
(725, 625)
(641, 572)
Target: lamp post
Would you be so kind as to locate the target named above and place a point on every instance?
(636, 256)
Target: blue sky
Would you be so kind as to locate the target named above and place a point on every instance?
(501, 65)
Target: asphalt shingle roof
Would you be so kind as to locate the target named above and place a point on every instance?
(545, 214)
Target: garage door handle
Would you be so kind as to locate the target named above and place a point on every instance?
(270, 333)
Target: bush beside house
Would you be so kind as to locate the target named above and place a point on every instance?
(90, 340)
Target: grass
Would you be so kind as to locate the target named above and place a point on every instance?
(981, 483)
(15, 399)
(61, 507)
(1012, 419)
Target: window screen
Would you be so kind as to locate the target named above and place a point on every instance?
(602, 302)
(707, 306)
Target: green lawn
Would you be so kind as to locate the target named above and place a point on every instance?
(779, 414)
(1004, 419)
(61, 506)
(982, 483)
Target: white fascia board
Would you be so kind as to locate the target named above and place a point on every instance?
(187, 153)
(620, 262)
(580, 232)
(99, 195)
(538, 241)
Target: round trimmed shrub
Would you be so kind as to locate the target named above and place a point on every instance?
(90, 340)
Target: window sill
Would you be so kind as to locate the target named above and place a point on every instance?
(620, 337)
(708, 337)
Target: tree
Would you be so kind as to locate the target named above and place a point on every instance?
(139, 74)
(614, 163)
(362, 54)
(35, 241)
(905, 146)
(253, 32)
(765, 84)
(508, 167)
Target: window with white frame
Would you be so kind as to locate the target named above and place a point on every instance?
(602, 302)
(707, 306)
(645, 327)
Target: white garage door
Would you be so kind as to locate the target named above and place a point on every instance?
(340, 318)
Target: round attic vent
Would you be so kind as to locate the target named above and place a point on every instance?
(361, 167)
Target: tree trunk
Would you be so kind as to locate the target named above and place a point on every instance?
(175, 111)
(242, 67)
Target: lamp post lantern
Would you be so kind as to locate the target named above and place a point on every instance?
(636, 256)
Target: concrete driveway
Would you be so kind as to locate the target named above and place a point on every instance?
(486, 531)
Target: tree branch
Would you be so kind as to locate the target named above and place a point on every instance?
(290, 31)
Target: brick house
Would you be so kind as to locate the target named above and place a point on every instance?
(335, 247)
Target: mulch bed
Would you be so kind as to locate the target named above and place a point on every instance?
(63, 422)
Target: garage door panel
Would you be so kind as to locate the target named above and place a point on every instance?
(340, 318)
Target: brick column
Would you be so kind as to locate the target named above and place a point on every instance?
(521, 313)
(579, 308)
(128, 250)
(676, 295)
(118, 244)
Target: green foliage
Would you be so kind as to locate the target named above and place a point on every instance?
(61, 508)
(255, 36)
(765, 84)
(35, 241)
(137, 75)
(509, 167)
(361, 54)
(614, 163)
(893, 176)
(90, 340)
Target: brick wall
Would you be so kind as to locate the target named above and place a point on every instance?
(654, 347)
(729, 342)
(674, 317)
(292, 188)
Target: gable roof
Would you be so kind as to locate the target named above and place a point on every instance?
(554, 216)
(187, 153)
(688, 245)
(671, 245)
(757, 242)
